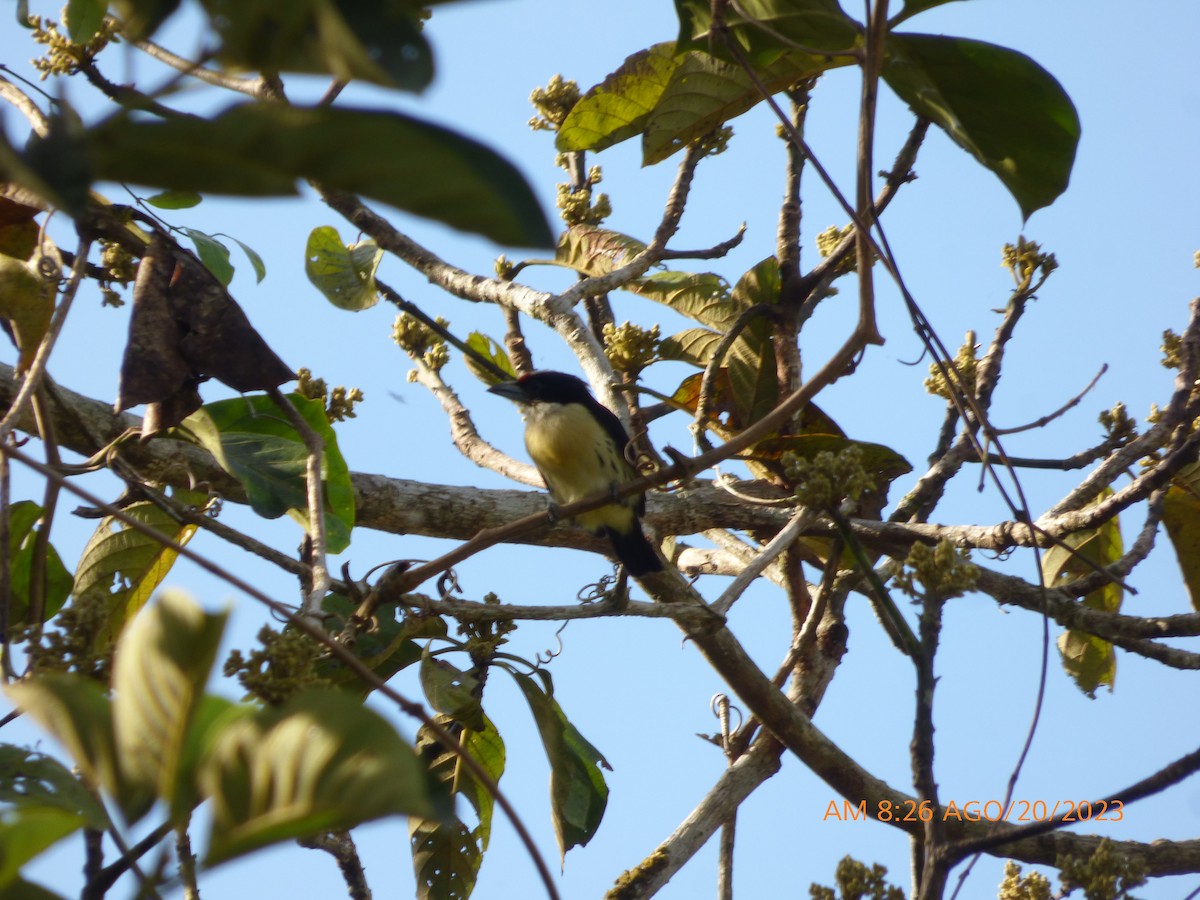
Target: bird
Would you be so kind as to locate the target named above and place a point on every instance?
(578, 445)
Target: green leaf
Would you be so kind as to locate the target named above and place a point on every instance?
(261, 149)
(75, 711)
(213, 254)
(1181, 516)
(447, 854)
(492, 351)
(672, 99)
(692, 345)
(344, 274)
(175, 199)
(911, 7)
(210, 717)
(619, 106)
(377, 42)
(578, 794)
(141, 18)
(253, 441)
(446, 859)
(20, 889)
(790, 26)
(29, 778)
(1089, 660)
(27, 831)
(385, 648)
(321, 762)
(704, 92)
(124, 566)
(452, 692)
(256, 261)
(83, 19)
(160, 669)
(23, 529)
(997, 104)
(704, 297)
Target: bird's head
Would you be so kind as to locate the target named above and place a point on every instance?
(544, 387)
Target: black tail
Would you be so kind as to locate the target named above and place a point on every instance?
(634, 550)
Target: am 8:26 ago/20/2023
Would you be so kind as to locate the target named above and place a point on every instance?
(1014, 811)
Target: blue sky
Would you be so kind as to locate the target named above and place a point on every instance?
(1124, 234)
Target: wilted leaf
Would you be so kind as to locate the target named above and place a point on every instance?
(595, 251)
(160, 669)
(721, 407)
(253, 441)
(321, 762)
(262, 149)
(578, 794)
(997, 104)
(185, 327)
(124, 566)
(344, 274)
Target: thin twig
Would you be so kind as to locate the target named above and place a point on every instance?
(318, 587)
(778, 544)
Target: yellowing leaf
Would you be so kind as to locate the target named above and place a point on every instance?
(1089, 660)
(1181, 516)
(27, 301)
(344, 274)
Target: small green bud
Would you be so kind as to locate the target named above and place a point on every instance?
(825, 480)
(1172, 350)
(966, 364)
(630, 348)
(941, 572)
(1034, 886)
(1025, 258)
(553, 103)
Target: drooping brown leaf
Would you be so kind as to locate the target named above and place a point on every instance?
(154, 370)
(185, 329)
